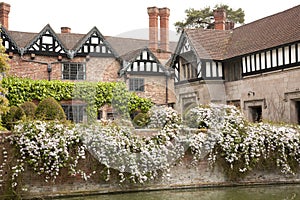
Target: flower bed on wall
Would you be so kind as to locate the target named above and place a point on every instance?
(218, 133)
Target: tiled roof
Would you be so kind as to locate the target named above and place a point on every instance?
(268, 32)
(125, 45)
(271, 31)
(209, 44)
(71, 40)
(21, 38)
(68, 39)
(132, 55)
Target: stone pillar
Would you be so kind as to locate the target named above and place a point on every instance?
(153, 27)
(220, 18)
(4, 11)
(164, 14)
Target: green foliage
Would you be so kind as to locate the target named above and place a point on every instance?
(3, 102)
(24, 89)
(49, 109)
(4, 67)
(136, 103)
(204, 18)
(29, 109)
(141, 119)
(14, 114)
(95, 95)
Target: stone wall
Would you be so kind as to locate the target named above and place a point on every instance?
(276, 92)
(200, 92)
(182, 175)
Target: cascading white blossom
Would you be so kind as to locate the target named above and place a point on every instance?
(239, 142)
(223, 134)
(117, 148)
(45, 146)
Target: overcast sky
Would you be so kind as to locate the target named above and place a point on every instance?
(115, 17)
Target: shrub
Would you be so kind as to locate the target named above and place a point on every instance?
(14, 114)
(141, 120)
(49, 109)
(29, 109)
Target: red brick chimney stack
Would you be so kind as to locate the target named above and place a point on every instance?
(65, 30)
(4, 11)
(153, 27)
(220, 19)
(164, 14)
(229, 25)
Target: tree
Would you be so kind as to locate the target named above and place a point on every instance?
(204, 18)
(4, 67)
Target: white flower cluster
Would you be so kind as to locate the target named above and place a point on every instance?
(282, 143)
(224, 134)
(45, 146)
(240, 143)
(3, 160)
(142, 158)
(163, 116)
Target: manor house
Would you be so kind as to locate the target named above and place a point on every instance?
(255, 66)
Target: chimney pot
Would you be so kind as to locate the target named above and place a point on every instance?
(65, 30)
(4, 12)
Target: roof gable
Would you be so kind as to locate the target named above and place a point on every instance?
(141, 61)
(45, 43)
(7, 41)
(94, 44)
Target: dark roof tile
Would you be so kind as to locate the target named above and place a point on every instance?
(271, 31)
(209, 44)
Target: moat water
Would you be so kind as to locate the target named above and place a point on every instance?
(270, 192)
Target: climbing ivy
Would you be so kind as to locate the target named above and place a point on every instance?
(95, 94)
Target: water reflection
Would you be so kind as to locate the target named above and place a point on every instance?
(287, 192)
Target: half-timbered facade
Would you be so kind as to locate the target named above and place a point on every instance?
(88, 57)
(255, 66)
(144, 74)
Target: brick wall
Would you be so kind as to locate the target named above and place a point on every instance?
(102, 69)
(32, 70)
(155, 88)
(97, 69)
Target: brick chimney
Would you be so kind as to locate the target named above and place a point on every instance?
(153, 27)
(65, 30)
(164, 14)
(4, 11)
(229, 25)
(220, 19)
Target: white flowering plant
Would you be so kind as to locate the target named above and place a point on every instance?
(239, 144)
(162, 117)
(138, 159)
(225, 137)
(47, 148)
